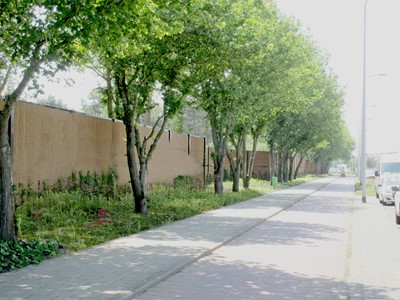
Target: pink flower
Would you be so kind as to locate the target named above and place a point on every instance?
(99, 221)
(88, 226)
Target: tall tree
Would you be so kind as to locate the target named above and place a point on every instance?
(156, 52)
(34, 33)
(267, 84)
(240, 35)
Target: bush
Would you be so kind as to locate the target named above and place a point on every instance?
(187, 181)
(18, 254)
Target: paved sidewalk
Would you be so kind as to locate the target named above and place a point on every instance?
(327, 246)
(128, 266)
(374, 264)
(300, 253)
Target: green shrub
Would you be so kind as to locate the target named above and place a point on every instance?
(19, 254)
(187, 181)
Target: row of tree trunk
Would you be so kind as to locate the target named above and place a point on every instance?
(281, 164)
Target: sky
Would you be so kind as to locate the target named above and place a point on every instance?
(337, 26)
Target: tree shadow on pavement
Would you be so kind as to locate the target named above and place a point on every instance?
(216, 277)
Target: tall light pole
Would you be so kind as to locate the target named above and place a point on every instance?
(363, 113)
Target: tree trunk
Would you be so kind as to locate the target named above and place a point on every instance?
(285, 167)
(280, 167)
(218, 176)
(245, 161)
(110, 94)
(220, 141)
(246, 170)
(250, 164)
(237, 162)
(142, 183)
(291, 167)
(137, 184)
(7, 206)
(272, 171)
(296, 172)
(234, 163)
(6, 78)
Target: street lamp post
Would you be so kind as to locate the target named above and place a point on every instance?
(363, 113)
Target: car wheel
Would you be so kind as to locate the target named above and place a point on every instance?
(397, 219)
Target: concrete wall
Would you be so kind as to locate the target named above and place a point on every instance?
(51, 143)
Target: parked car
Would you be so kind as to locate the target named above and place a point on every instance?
(385, 191)
(396, 190)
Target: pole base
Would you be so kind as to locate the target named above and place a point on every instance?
(364, 199)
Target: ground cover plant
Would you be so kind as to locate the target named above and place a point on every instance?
(87, 210)
(18, 254)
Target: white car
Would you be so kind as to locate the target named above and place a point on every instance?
(396, 189)
(385, 191)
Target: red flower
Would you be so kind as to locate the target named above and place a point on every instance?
(99, 221)
(102, 212)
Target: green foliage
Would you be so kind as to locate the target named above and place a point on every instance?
(227, 175)
(371, 161)
(79, 220)
(187, 181)
(53, 102)
(18, 254)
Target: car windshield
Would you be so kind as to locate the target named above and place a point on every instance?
(391, 180)
(390, 167)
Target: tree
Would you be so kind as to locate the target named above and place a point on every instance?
(33, 34)
(153, 53)
(268, 83)
(193, 120)
(337, 146)
(310, 126)
(53, 102)
(239, 30)
(94, 105)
